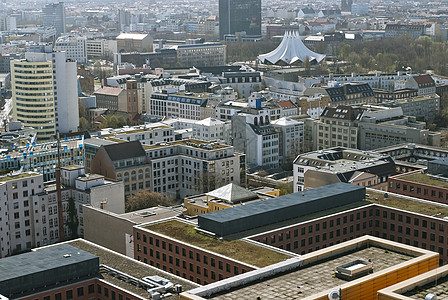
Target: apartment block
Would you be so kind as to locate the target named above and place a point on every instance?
(257, 138)
(111, 98)
(74, 46)
(178, 105)
(291, 138)
(338, 126)
(125, 162)
(190, 167)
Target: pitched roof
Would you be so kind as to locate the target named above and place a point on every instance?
(232, 193)
(286, 104)
(107, 90)
(424, 79)
(125, 150)
(343, 112)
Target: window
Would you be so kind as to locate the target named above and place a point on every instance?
(69, 294)
(80, 291)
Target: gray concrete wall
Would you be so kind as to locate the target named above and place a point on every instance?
(106, 229)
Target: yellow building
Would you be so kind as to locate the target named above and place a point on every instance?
(33, 94)
(227, 196)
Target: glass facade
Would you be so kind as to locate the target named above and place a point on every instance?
(239, 15)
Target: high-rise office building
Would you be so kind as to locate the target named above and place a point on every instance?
(239, 15)
(54, 16)
(44, 87)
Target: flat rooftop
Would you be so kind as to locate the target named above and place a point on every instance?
(18, 176)
(188, 142)
(151, 214)
(342, 159)
(41, 260)
(129, 266)
(425, 179)
(438, 287)
(428, 208)
(236, 249)
(315, 277)
(240, 218)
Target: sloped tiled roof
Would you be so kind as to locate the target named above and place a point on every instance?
(127, 150)
(107, 90)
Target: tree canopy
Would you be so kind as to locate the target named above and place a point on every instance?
(146, 199)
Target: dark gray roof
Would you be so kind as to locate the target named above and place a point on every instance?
(252, 215)
(125, 150)
(44, 267)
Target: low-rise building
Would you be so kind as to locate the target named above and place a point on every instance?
(395, 30)
(227, 196)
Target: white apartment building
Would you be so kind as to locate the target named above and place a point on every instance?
(74, 46)
(29, 209)
(178, 105)
(209, 129)
(291, 138)
(20, 216)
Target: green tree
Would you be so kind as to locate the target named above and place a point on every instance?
(113, 121)
(72, 219)
(285, 188)
(307, 65)
(146, 199)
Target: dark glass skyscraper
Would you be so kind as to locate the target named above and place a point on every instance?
(239, 15)
(54, 16)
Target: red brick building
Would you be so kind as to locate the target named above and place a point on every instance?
(419, 185)
(188, 260)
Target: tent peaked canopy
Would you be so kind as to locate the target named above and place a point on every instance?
(232, 193)
(291, 50)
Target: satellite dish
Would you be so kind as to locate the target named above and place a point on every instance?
(333, 295)
(431, 297)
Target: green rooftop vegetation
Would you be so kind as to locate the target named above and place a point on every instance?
(425, 179)
(14, 177)
(407, 204)
(236, 249)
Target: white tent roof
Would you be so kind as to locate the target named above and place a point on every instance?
(290, 50)
(231, 193)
